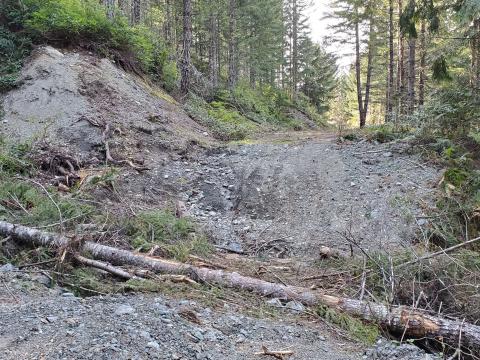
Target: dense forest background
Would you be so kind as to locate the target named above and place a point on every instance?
(415, 62)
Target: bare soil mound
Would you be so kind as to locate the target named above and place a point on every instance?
(68, 98)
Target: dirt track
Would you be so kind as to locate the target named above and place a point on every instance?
(289, 197)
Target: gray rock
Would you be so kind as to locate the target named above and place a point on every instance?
(52, 319)
(8, 268)
(124, 310)
(153, 345)
(197, 336)
(295, 306)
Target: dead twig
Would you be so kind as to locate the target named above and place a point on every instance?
(320, 276)
(108, 156)
(276, 354)
(60, 216)
(440, 252)
(105, 267)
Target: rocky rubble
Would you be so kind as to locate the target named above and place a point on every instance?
(300, 196)
(40, 321)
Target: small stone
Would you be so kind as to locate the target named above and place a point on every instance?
(153, 345)
(197, 336)
(52, 319)
(421, 222)
(124, 310)
(234, 247)
(240, 339)
(387, 154)
(274, 302)
(7, 268)
(68, 294)
(295, 305)
(166, 176)
(352, 184)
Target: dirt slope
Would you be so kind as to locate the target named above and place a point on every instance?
(291, 198)
(63, 95)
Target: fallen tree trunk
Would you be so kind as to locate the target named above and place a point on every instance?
(412, 323)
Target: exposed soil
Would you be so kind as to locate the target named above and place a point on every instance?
(67, 98)
(289, 199)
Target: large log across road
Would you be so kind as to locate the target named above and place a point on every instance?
(412, 323)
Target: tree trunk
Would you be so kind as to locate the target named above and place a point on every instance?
(136, 12)
(168, 23)
(423, 54)
(110, 6)
(475, 49)
(371, 50)
(295, 19)
(187, 44)
(232, 45)
(213, 50)
(412, 42)
(389, 104)
(358, 70)
(404, 321)
(401, 64)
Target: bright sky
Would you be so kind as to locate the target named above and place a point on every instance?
(321, 32)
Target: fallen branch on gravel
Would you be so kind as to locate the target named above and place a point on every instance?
(276, 354)
(105, 267)
(413, 323)
(440, 252)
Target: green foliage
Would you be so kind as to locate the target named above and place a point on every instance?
(440, 69)
(13, 49)
(366, 333)
(13, 159)
(223, 124)
(320, 77)
(83, 23)
(177, 238)
(386, 132)
(22, 202)
(451, 112)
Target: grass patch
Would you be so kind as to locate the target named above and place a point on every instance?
(23, 203)
(366, 333)
(223, 124)
(176, 238)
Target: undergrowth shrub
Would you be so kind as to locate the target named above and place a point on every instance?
(13, 49)
(452, 112)
(81, 23)
(366, 333)
(223, 124)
